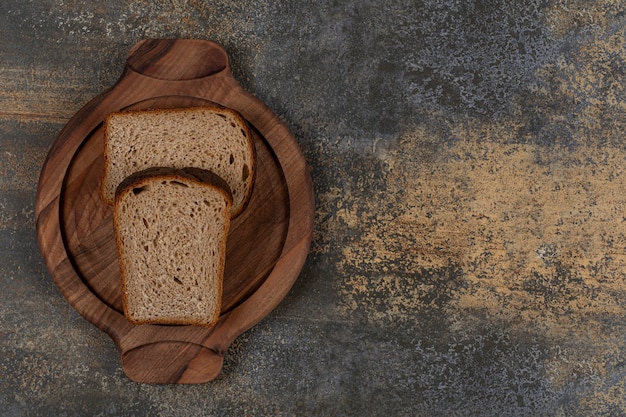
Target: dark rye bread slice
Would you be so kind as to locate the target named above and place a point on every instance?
(211, 138)
(171, 227)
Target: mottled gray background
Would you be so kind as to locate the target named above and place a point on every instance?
(469, 248)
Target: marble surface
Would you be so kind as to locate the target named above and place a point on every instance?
(469, 253)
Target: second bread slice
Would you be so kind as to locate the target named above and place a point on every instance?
(212, 138)
(171, 227)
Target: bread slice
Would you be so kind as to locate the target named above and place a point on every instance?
(211, 138)
(171, 227)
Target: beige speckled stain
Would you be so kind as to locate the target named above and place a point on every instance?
(508, 216)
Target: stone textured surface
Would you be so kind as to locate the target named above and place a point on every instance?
(469, 255)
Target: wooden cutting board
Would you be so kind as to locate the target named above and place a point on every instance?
(267, 244)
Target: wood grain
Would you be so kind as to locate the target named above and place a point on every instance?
(267, 245)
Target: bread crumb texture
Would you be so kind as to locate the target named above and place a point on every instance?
(197, 137)
(171, 236)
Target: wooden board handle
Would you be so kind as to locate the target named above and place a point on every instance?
(170, 361)
(177, 59)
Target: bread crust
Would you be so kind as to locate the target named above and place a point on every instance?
(199, 176)
(247, 130)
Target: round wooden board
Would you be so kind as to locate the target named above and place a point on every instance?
(267, 244)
